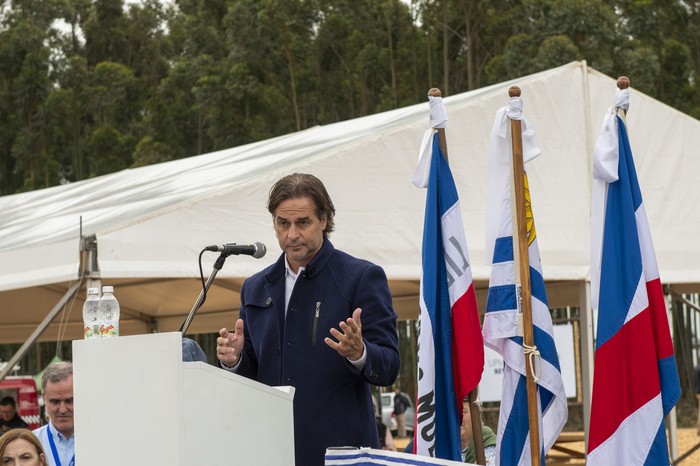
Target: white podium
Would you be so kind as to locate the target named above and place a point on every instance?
(137, 403)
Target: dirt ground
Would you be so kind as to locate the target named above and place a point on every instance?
(687, 439)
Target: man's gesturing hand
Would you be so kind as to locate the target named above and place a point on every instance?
(230, 345)
(349, 338)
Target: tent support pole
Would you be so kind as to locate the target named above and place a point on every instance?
(88, 256)
(671, 420)
(587, 354)
(40, 329)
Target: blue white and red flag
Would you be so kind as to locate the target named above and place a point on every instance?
(503, 330)
(635, 381)
(450, 345)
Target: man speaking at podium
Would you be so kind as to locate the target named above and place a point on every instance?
(319, 320)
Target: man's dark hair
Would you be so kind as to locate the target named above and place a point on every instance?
(8, 400)
(56, 372)
(299, 185)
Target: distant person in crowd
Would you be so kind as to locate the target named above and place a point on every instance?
(386, 440)
(9, 419)
(697, 393)
(56, 437)
(401, 403)
(467, 436)
(317, 319)
(20, 447)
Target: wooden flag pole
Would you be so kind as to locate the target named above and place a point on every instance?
(525, 297)
(475, 411)
(435, 92)
(623, 82)
(477, 433)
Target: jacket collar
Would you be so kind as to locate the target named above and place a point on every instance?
(315, 265)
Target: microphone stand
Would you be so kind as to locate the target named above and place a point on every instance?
(200, 300)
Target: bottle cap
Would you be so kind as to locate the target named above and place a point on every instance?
(93, 291)
(108, 289)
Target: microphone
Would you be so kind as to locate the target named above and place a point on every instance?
(256, 250)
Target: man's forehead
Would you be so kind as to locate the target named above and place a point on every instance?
(295, 204)
(295, 212)
(59, 396)
(61, 389)
(58, 391)
(291, 216)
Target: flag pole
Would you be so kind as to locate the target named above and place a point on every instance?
(623, 82)
(477, 433)
(435, 92)
(525, 297)
(474, 409)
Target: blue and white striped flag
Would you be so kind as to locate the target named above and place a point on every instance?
(503, 312)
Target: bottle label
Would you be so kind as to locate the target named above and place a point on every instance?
(89, 332)
(109, 329)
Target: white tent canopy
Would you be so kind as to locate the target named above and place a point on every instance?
(151, 222)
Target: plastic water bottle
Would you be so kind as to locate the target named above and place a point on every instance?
(108, 313)
(91, 328)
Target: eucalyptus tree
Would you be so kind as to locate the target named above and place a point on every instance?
(182, 114)
(104, 33)
(25, 38)
(114, 105)
(463, 36)
(175, 119)
(367, 58)
(274, 37)
(664, 33)
(548, 33)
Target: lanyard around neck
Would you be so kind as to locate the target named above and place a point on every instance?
(56, 459)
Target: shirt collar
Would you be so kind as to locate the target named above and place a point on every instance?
(57, 435)
(288, 272)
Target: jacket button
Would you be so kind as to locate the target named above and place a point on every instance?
(269, 301)
(373, 375)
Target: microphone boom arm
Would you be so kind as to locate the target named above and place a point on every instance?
(218, 265)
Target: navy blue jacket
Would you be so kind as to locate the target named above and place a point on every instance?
(332, 401)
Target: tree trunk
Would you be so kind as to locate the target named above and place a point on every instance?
(445, 52)
(392, 64)
(293, 83)
(469, 36)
